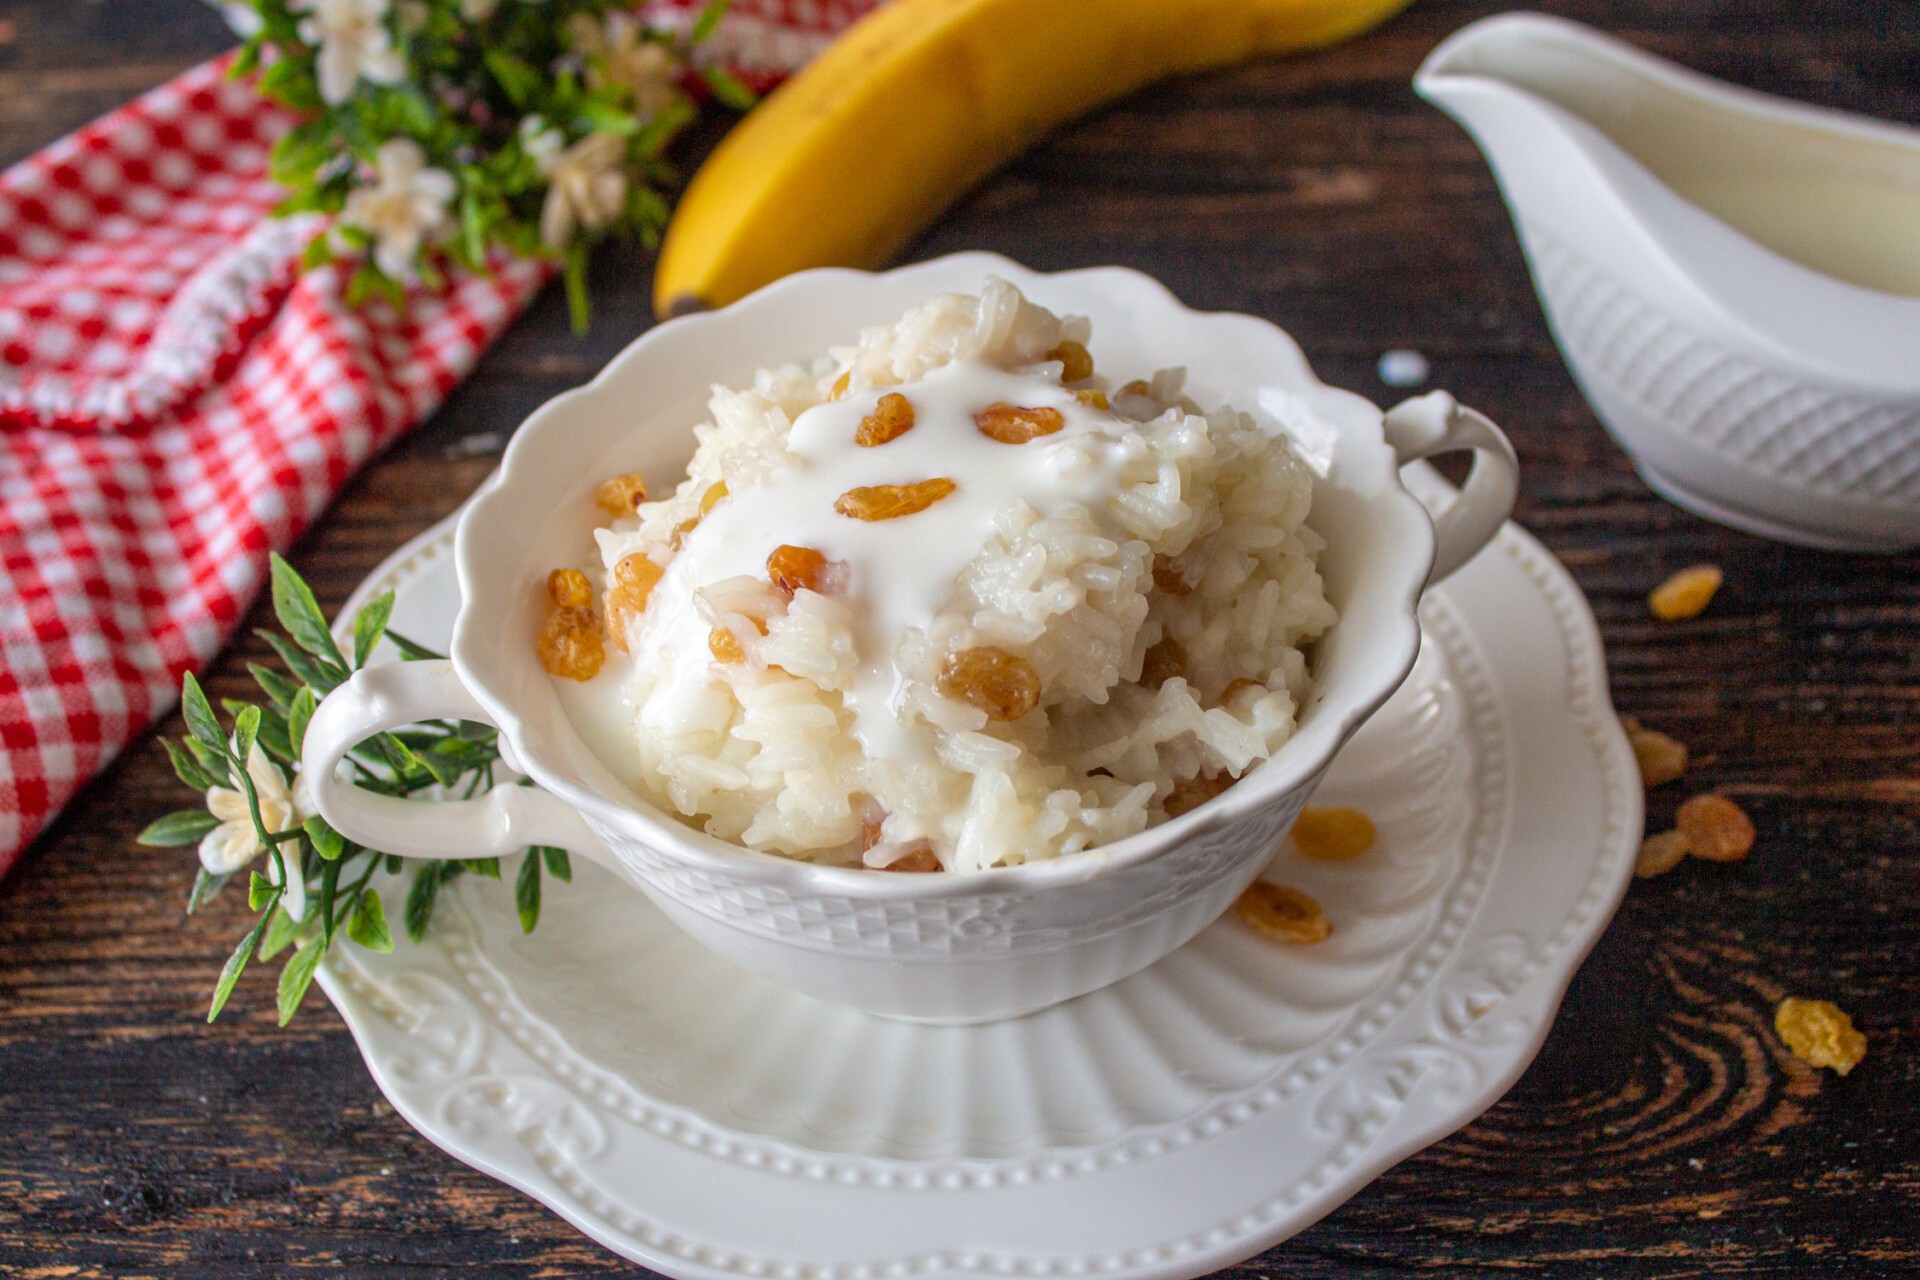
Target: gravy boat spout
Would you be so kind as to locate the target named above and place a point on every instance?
(1733, 278)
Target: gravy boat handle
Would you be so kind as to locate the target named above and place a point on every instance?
(387, 696)
(1436, 423)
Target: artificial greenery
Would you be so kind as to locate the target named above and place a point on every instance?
(252, 758)
(440, 130)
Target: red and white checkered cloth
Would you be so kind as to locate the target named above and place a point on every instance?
(176, 400)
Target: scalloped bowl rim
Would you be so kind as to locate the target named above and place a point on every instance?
(1303, 756)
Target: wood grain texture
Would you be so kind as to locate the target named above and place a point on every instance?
(1662, 1132)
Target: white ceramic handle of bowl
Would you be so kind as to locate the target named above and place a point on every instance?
(392, 694)
(1436, 423)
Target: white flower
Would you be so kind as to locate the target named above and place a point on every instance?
(478, 10)
(586, 188)
(353, 42)
(234, 843)
(541, 141)
(242, 18)
(404, 204)
(619, 54)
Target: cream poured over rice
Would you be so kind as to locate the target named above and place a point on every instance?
(1141, 575)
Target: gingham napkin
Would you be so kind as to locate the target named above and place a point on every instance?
(176, 400)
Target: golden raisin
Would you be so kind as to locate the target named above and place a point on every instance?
(1189, 794)
(1661, 758)
(1076, 362)
(1002, 684)
(1686, 594)
(1660, 854)
(1283, 914)
(1163, 661)
(1819, 1033)
(1092, 399)
(1716, 828)
(1168, 579)
(891, 501)
(570, 643)
(840, 385)
(1236, 687)
(890, 419)
(569, 589)
(619, 495)
(725, 646)
(639, 575)
(1332, 835)
(615, 623)
(919, 857)
(708, 501)
(790, 568)
(634, 578)
(1011, 424)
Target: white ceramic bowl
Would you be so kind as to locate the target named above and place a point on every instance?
(946, 948)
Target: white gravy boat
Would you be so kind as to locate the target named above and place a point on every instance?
(1733, 278)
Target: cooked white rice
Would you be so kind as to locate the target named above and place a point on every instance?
(770, 760)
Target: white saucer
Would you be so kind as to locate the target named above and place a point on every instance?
(705, 1123)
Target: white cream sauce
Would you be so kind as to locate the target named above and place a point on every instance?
(898, 573)
(602, 713)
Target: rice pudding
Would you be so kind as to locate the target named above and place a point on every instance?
(945, 599)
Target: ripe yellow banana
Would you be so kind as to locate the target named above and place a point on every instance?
(921, 99)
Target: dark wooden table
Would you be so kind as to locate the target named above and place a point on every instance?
(1662, 1132)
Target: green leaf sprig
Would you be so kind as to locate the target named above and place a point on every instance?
(335, 873)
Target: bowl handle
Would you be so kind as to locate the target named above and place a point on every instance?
(1435, 423)
(387, 696)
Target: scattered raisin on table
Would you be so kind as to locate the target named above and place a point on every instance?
(1686, 594)
(1660, 854)
(1283, 914)
(1819, 1033)
(1661, 758)
(1716, 828)
(1332, 834)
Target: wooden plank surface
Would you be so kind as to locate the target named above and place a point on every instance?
(1662, 1132)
